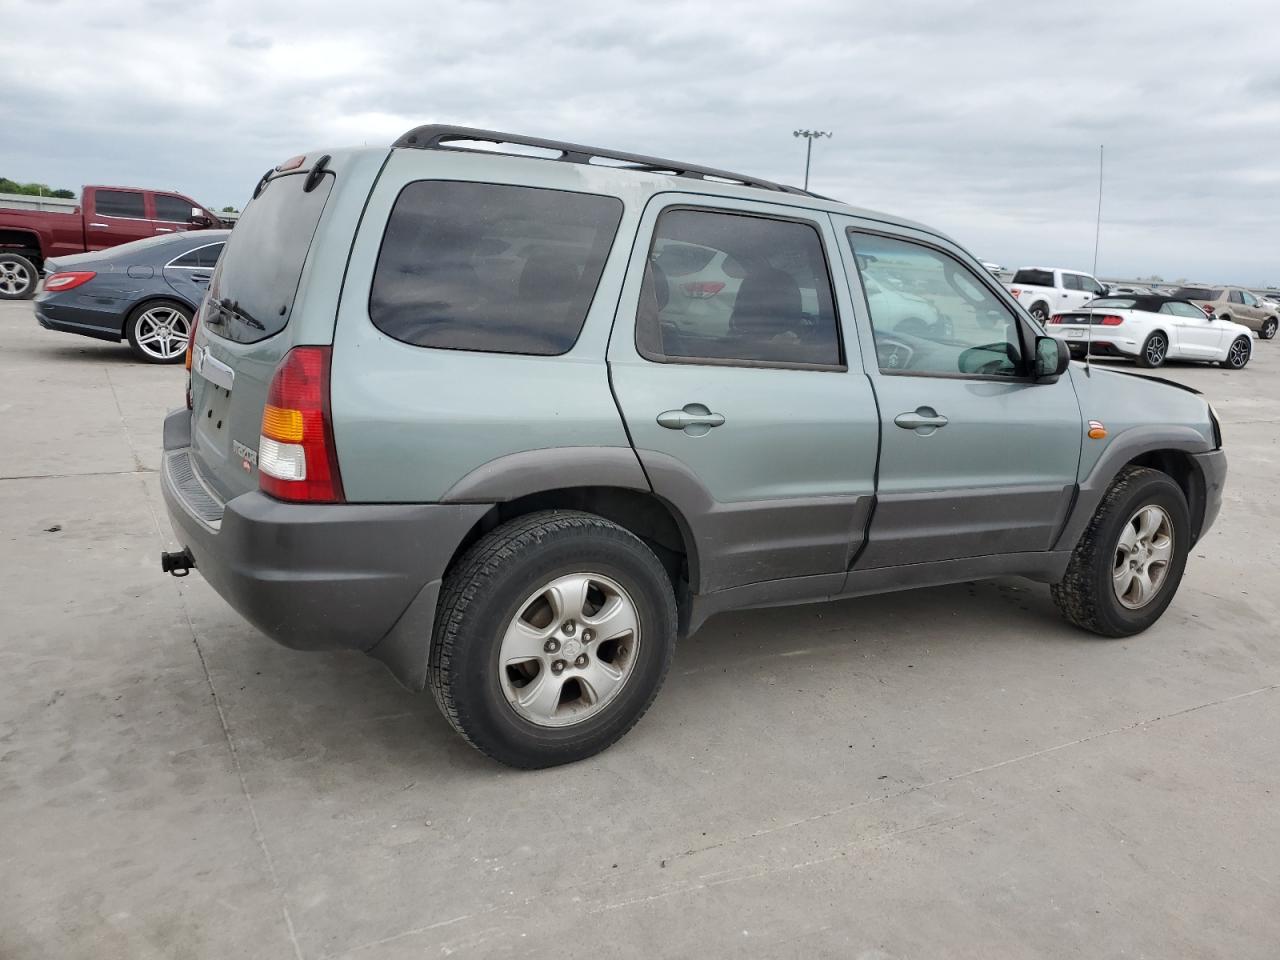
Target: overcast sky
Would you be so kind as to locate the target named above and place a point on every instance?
(982, 119)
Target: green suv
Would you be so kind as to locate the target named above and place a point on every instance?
(513, 415)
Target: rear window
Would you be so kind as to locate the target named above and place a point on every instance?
(1197, 293)
(490, 267)
(1115, 303)
(258, 273)
(1034, 278)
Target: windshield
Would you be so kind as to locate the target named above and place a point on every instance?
(1197, 293)
(252, 293)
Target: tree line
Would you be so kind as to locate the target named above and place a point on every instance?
(33, 189)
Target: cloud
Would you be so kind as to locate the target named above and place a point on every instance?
(980, 118)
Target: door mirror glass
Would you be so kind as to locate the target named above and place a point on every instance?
(1052, 358)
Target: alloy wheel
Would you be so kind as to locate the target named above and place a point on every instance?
(1238, 355)
(15, 278)
(1156, 349)
(1142, 557)
(569, 650)
(162, 333)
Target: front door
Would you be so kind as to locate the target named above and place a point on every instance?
(119, 216)
(976, 458)
(1195, 334)
(733, 362)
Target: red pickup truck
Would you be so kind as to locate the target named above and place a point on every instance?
(105, 217)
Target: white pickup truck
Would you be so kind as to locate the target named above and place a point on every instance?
(1045, 291)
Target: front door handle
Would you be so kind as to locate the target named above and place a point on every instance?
(694, 419)
(923, 420)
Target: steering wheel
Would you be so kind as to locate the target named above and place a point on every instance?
(893, 354)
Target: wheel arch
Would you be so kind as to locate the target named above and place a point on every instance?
(1170, 450)
(25, 243)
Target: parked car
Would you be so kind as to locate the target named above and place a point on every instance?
(106, 217)
(1235, 304)
(1151, 330)
(144, 292)
(1128, 290)
(1045, 291)
(520, 487)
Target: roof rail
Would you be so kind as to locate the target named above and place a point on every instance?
(436, 136)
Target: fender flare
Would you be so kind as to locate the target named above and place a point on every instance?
(1124, 448)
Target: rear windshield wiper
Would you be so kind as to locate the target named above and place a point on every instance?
(232, 307)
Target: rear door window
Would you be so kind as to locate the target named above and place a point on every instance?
(201, 258)
(490, 267)
(1236, 297)
(253, 290)
(758, 292)
(119, 203)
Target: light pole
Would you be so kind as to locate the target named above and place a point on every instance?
(810, 136)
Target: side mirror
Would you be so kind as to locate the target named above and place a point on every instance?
(1053, 356)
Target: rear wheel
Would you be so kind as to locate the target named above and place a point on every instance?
(1154, 350)
(1238, 353)
(18, 277)
(553, 635)
(1040, 312)
(1269, 328)
(1127, 566)
(158, 332)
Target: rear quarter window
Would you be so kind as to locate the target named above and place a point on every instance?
(491, 267)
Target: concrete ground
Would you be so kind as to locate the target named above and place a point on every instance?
(943, 773)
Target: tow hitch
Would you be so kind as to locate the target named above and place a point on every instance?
(179, 564)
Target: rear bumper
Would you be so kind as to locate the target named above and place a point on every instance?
(95, 320)
(317, 576)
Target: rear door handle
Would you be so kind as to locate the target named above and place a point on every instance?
(164, 229)
(102, 226)
(923, 420)
(694, 419)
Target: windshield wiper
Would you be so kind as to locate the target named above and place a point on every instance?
(232, 307)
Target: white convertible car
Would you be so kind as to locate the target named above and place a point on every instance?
(1151, 330)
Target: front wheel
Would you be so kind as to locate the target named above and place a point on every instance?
(18, 277)
(553, 636)
(1127, 566)
(1238, 353)
(1269, 328)
(1154, 350)
(158, 332)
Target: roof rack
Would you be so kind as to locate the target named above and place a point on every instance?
(435, 136)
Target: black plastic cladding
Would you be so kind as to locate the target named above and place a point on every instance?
(434, 136)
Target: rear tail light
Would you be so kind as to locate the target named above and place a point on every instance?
(69, 280)
(191, 346)
(1056, 318)
(1111, 320)
(1015, 291)
(702, 289)
(297, 459)
(1207, 308)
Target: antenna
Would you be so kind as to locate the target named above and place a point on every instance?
(1097, 236)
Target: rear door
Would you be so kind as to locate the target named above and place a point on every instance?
(189, 273)
(976, 458)
(738, 375)
(241, 336)
(118, 216)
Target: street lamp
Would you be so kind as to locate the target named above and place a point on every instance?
(810, 136)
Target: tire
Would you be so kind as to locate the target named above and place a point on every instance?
(19, 277)
(1040, 311)
(1088, 593)
(1269, 326)
(169, 321)
(1238, 353)
(485, 600)
(1154, 350)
